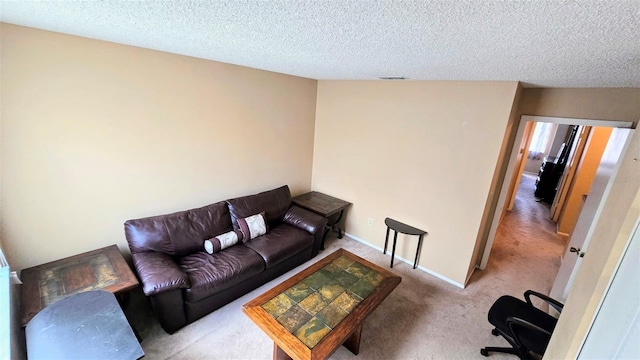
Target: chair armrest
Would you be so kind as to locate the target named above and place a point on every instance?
(305, 219)
(158, 272)
(554, 303)
(514, 323)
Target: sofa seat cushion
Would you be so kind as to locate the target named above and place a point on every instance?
(209, 274)
(280, 243)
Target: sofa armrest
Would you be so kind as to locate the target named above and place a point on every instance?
(305, 220)
(158, 272)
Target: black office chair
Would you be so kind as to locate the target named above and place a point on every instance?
(527, 328)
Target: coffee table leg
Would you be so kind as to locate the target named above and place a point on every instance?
(279, 354)
(353, 341)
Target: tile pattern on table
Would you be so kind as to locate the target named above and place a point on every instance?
(314, 306)
(51, 283)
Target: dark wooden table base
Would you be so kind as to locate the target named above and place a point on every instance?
(352, 344)
(327, 206)
(397, 226)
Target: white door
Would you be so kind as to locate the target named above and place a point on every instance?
(615, 330)
(579, 240)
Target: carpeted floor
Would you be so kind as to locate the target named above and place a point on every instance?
(424, 317)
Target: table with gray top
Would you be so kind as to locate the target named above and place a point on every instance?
(87, 325)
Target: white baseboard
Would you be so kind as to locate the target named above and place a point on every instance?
(430, 272)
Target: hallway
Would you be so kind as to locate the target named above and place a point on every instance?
(526, 251)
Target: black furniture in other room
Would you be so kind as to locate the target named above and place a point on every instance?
(552, 169)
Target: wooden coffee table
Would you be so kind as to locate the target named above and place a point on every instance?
(45, 284)
(310, 315)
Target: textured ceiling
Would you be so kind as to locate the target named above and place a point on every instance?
(542, 43)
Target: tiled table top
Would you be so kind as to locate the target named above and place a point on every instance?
(323, 307)
(318, 303)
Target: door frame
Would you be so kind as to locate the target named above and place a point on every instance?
(521, 160)
(571, 169)
(511, 167)
(592, 209)
(617, 317)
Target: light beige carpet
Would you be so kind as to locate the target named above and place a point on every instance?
(424, 317)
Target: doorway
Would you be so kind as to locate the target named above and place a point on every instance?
(516, 165)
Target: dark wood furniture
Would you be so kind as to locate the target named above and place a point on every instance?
(397, 226)
(547, 181)
(327, 206)
(45, 284)
(88, 325)
(552, 169)
(310, 315)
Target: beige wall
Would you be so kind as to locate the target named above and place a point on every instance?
(601, 104)
(493, 197)
(95, 133)
(419, 152)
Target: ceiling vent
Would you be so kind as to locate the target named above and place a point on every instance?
(392, 78)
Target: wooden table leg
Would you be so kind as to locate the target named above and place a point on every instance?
(353, 341)
(279, 354)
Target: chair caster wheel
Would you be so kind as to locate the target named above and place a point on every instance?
(484, 352)
(495, 332)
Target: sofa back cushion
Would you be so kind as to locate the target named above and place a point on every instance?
(274, 203)
(180, 233)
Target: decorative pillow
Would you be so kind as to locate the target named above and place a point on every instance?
(222, 241)
(252, 226)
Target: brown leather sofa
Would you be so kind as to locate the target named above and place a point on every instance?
(185, 283)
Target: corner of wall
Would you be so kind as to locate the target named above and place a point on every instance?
(496, 192)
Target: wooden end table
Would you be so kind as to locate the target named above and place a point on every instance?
(101, 269)
(310, 315)
(325, 205)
